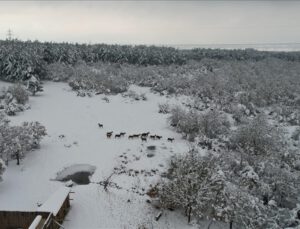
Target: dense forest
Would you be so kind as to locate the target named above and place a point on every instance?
(19, 59)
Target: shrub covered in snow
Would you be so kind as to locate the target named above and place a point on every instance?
(17, 141)
(213, 124)
(136, 96)
(14, 99)
(258, 137)
(59, 72)
(177, 114)
(248, 193)
(198, 185)
(192, 123)
(34, 85)
(189, 176)
(296, 134)
(289, 114)
(107, 80)
(19, 93)
(164, 108)
(2, 168)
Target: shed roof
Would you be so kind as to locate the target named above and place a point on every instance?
(54, 203)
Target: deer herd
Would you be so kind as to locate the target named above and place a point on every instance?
(142, 136)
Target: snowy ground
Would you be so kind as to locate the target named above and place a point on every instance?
(63, 113)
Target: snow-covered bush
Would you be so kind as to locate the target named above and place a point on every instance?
(19, 93)
(296, 134)
(282, 183)
(213, 124)
(135, 96)
(185, 122)
(34, 85)
(59, 72)
(189, 176)
(13, 100)
(189, 124)
(288, 114)
(2, 168)
(197, 185)
(164, 108)
(107, 80)
(17, 141)
(224, 186)
(239, 113)
(258, 137)
(177, 114)
(85, 83)
(113, 84)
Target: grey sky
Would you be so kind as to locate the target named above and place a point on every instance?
(157, 22)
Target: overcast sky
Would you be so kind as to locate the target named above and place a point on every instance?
(156, 22)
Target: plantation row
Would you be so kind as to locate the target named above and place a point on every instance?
(19, 60)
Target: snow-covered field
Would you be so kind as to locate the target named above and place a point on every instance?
(77, 118)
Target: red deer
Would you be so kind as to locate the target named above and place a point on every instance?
(136, 135)
(145, 134)
(100, 125)
(130, 137)
(144, 138)
(170, 139)
(152, 136)
(109, 134)
(62, 136)
(158, 137)
(117, 135)
(122, 133)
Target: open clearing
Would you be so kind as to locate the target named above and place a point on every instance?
(64, 113)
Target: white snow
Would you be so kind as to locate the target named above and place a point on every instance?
(62, 112)
(54, 203)
(35, 222)
(4, 84)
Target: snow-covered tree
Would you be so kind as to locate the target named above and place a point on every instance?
(2, 168)
(34, 85)
(253, 193)
(258, 137)
(213, 124)
(189, 175)
(17, 141)
(14, 99)
(19, 93)
(198, 185)
(164, 108)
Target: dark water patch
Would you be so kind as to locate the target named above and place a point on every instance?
(78, 173)
(79, 178)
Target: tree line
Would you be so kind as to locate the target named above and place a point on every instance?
(21, 59)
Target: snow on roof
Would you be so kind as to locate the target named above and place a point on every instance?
(54, 203)
(35, 222)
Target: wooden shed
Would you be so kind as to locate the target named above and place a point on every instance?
(49, 215)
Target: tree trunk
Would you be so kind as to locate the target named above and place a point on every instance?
(231, 225)
(210, 223)
(18, 158)
(189, 214)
